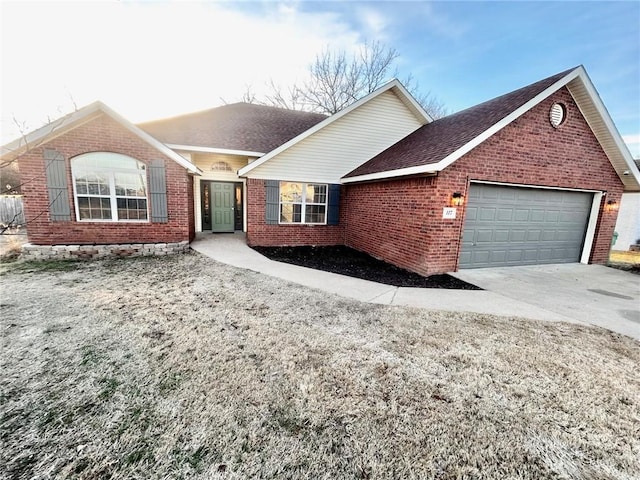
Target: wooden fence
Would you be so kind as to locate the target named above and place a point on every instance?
(11, 209)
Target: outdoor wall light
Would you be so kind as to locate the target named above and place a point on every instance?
(457, 199)
(612, 206)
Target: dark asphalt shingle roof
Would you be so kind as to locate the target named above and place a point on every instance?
(438, 139)
(237, 126)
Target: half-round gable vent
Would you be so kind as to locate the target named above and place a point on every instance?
(221, 167)
(557, 114)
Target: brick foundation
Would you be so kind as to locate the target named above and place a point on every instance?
(88, 252)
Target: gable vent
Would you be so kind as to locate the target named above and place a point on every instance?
(557, 114)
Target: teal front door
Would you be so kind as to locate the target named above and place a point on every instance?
(222, 207)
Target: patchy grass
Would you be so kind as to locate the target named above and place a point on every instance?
(628, 261)
(11, 242)
(179, 367)
(35, 266)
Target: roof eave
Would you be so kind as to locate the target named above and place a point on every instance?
(51, 130)
(58, 127)
(601, 124)
(401, 172)
(620, 157)
(222, 151)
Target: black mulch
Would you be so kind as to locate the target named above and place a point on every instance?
(350, 262)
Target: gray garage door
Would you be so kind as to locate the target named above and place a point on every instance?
(523, 226)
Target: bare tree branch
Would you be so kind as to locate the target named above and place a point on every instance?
(337, 79)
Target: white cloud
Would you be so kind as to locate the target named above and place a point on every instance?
(374, 22)
(149, 60)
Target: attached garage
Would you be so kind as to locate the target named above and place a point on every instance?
(507, 226)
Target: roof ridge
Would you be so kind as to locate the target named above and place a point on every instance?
(557, 76)
(226, 105)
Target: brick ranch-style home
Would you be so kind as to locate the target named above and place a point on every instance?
(531, 177)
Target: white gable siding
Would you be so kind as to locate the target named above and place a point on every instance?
(335, 150)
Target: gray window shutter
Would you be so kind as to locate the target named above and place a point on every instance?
(55, 168)
(158, 192)
(272, 210)
(333, 214)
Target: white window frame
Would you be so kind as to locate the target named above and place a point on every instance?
(113, 198)
(304, 204)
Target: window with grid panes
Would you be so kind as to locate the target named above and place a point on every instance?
(303, 203)
(109, 187)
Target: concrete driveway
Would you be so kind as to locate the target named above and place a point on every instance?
(594, 294)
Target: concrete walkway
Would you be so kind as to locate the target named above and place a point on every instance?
(576, 294)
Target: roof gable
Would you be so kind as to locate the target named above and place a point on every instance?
(79, 117)
(243, 127)
(437, 145)
(394, 85)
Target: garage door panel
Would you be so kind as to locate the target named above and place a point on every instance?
(536, 215)
(501, 236)
(498, 256)
(487, 214)
(551, 216)
(534, 235)
(523, 226)
(517, 235)
(505, 214)
(472, 213)
(484, 236)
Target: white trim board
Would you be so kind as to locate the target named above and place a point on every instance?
(223, 151)
(64, 124)
(578, 75)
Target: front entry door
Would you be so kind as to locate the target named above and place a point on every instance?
(222, 207)
(221, 204)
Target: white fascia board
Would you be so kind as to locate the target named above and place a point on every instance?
(63, 124)
(222, 151)
(328, 121)
(56, 127)
(175, 156)
(608, 121)
(466, 148)
(401, 172)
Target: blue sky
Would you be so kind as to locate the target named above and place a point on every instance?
(155, 59)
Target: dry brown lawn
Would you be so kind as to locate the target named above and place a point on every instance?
(618, 256)
(180, 367)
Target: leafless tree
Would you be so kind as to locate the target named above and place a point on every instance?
(12, 180)
(337, 79)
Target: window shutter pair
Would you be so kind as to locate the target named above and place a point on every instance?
(59, 206)
(272, 210)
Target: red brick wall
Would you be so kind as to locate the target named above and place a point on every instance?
(102, 134)
(259, 233)
(401, 221)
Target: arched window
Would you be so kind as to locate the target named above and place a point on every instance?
(109, 187)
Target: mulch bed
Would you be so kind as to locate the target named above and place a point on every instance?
(352, 263)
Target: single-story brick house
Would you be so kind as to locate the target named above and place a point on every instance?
(533, 176)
